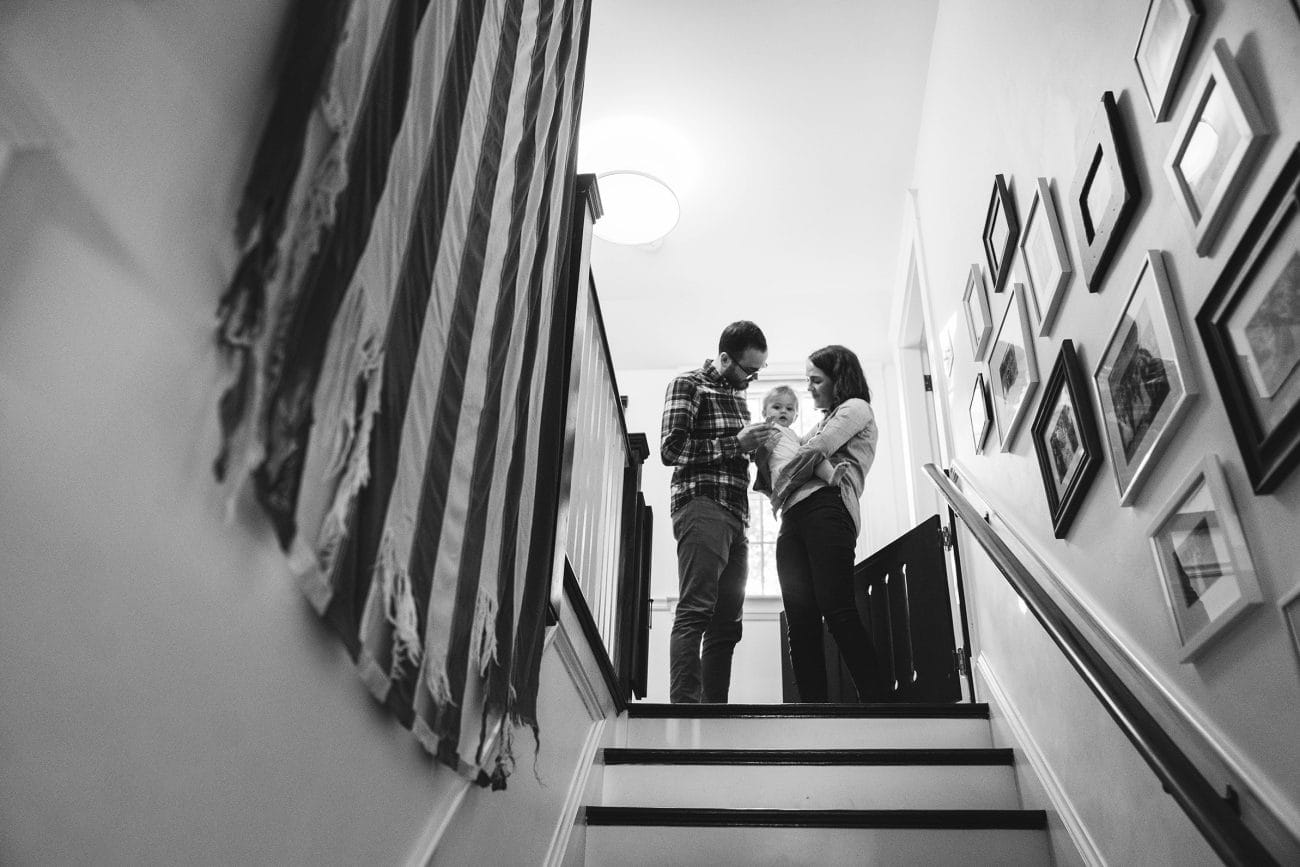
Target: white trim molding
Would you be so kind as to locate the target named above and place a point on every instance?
(1056, 793)
(583, 680)
(574, 798)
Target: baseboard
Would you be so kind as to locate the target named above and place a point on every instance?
(422, 853)
(583, 680)
(1061, 803)
(574, 799)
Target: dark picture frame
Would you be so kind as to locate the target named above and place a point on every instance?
(1289, 604)
(1066, 439)
(1162, 49)
(1145, 380)
(1001, 232)
(980, 411)
(1044, 256)
(1204, 563)
(1013, 368)
(1219, 138)
(1250, 325)
(1103, 193)
(979, 318)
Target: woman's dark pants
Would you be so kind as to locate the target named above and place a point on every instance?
(814, 561)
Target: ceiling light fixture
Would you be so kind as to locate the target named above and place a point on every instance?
(639, 208)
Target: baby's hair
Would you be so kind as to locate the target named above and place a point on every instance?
(780, 391)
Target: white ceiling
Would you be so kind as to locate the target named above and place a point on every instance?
(788, 131)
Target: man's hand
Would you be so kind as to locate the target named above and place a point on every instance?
(755, 434)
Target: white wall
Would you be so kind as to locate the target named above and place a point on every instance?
(756, 673)
(1012, 88)
(168, 695)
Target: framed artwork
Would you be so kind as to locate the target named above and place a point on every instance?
(1167, 33)
(979, 319)
(1201, 554)
(1013, 368)
(1219, 137)
(980, 418)
(1104, 192)
(1001, 231)
(1144, 380)
(1065, 439)
(1250, 325)
(1290, 604)
(1044, 256)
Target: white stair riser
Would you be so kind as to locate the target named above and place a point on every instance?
(813, 787)
(821, 734)
(629, 846)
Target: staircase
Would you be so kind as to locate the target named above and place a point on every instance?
(809, 784)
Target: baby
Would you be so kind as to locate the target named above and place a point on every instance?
(781, 407)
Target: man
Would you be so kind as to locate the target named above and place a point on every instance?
(706, 439)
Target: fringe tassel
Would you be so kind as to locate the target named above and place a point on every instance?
(401, 613)
(439, 684)
(356, 460)
(483, 632)
(505, 759)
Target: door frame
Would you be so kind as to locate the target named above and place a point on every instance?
(926, 417)
(927, 429)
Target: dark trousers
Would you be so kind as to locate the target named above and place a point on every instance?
(814, 561)
(712, 565)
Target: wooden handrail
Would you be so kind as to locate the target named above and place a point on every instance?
(1212, 815)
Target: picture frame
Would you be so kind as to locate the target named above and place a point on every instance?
(1103, 193)
(1289, 605)
(979, 318)
(1250, 327)
(1013, 368)
(1044, 255)
(1202, 558)
(1219, 138)
(1145, 381)
(980, 412)
(1162, 49)
(1001, 232)
(1065, 439)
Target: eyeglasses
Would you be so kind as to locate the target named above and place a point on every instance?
(751, 374)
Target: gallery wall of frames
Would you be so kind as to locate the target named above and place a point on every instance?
(1116, 243)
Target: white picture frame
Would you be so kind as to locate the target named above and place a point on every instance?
(1203, 560)
(1044, 256)
(1145, 381)
(1208, 169)
(1162, 48)
(979, 318)
(1013, 367)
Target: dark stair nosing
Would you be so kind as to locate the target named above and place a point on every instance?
(655, 710)
(880, 757)
(698, 817)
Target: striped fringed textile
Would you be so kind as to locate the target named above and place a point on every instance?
(399, 428)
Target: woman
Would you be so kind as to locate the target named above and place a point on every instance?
(819, 529)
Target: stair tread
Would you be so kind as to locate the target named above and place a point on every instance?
(1032, 820)
(876, 756)
(653, 710)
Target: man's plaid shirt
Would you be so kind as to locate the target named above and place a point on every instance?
(702, 416)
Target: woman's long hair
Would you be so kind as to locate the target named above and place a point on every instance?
(844, 369)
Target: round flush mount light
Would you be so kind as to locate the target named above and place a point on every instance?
(639, 208)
